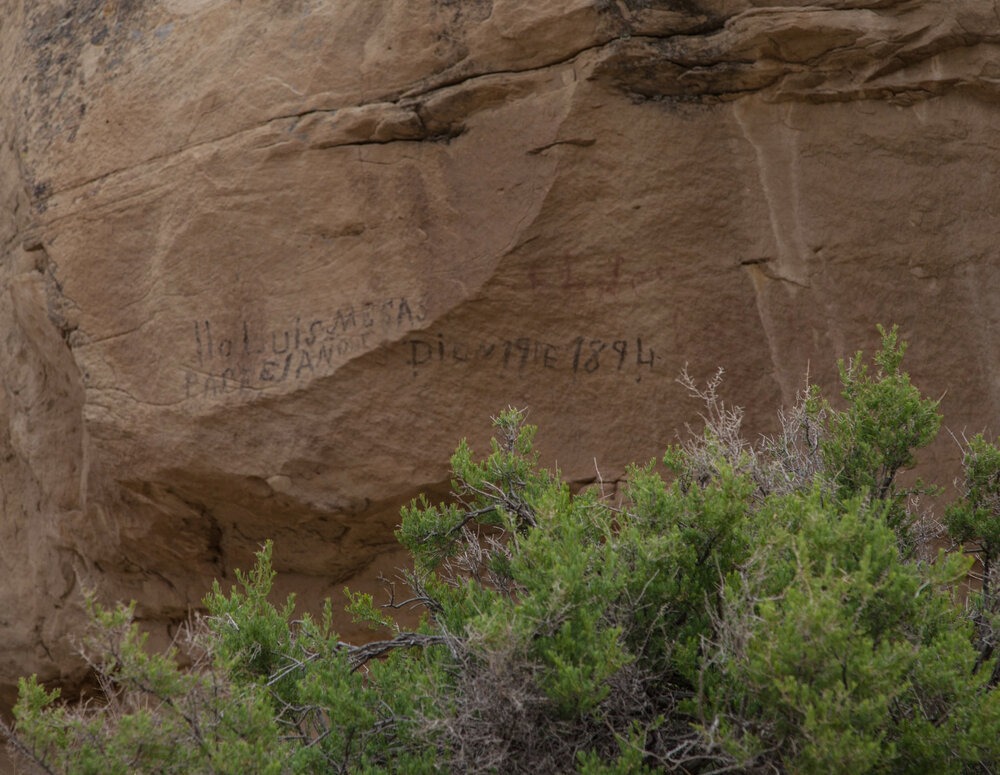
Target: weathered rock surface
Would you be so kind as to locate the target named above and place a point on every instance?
(264, 262)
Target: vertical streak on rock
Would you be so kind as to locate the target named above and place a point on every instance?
(775, 148)
(760, 282)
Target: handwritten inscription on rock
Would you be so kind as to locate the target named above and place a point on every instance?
(582, 355)
(248, 357)
(245, 356)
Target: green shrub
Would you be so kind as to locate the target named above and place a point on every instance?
(759, 611)
(886, 421)
(975, 520)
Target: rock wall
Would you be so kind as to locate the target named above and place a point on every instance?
(264, 262)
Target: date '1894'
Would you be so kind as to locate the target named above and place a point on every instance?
(582, 355)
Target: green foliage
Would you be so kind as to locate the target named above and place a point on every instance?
(266, 694)
(976, 517)
(759, 611)
(975, 520)
(840, 654)
(153, 716)
(887, 419)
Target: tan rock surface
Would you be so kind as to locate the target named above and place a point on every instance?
(264, 263)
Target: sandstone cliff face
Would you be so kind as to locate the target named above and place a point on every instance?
(264, 262)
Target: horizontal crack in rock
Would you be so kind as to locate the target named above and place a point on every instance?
(723, 61)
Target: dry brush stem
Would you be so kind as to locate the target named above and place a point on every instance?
(787, 462)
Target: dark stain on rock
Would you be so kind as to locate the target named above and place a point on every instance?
(40, 193)
(56, 36)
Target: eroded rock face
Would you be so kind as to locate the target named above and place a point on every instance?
(264, 262)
